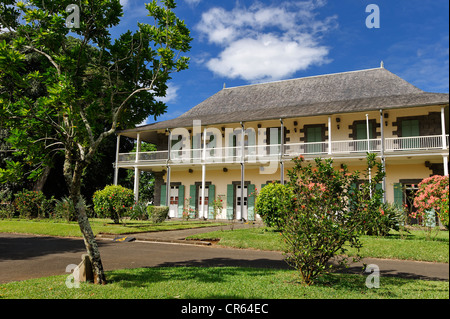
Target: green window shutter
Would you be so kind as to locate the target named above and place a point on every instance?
(251, 202)
(361, 131)
(398, 194)
(230, 201)
(410, 128)
(193, 195)
(211, 198)
(163, 195)
(314, 135)
(180, 200)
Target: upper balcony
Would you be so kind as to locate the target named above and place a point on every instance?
(280, 152)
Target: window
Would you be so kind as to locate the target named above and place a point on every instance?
(410, 129)
(314, 135)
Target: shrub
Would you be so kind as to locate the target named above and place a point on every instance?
(433, 194)
(388, 217)
(139, 211)
(64, 208)
(272, 202)
(31, 204)
(113, 202)
(158, 214)
(6, 205)
(217, 206)
(326, 214)
(443, 212)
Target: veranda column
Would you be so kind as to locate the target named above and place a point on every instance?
(383, 158)
(169, 149)
(240, 216)
(136, 169)
(368, 150)
(116, 166)
(329, 135)
(444, 137)
(444, 141)
(202, 208)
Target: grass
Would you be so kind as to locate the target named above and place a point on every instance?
(413, 246)
(105, 226)
(223, 282)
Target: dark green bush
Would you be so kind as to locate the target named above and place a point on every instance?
(273, 201)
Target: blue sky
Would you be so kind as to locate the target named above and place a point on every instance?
(248, 41)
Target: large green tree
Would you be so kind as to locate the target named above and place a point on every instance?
(93, 84)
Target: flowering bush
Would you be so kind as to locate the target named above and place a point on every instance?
(217, 206)
(188, 212)
(31, 204)
(433, 194)
(114, 202)
(322, 216)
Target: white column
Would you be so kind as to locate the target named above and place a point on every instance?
(444, 139)
(202, 208)
(446, 165)
(368, 150)
(329, 135)
(116, 166)
(136, 183)
(136, 169)
(169, 149)
(241, 215)
(383, 158)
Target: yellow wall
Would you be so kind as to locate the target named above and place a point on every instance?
(394, 173)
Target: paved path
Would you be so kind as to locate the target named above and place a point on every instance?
(24, 257)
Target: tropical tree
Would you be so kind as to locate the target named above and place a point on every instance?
(93, 84)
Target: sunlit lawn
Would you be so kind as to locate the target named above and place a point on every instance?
(412, 246)
(223, 282)
(105, 226)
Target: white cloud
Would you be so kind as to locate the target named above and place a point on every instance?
(266, 42)
(171, 94)
(124, 3)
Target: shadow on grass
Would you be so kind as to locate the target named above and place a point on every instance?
(268, 283)
(144, 276)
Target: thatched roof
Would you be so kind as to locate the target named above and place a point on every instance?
(356, 91)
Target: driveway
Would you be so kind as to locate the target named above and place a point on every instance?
(25, 257)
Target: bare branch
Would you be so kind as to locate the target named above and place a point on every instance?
(47, 56)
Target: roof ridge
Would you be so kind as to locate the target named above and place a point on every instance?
(306, 77)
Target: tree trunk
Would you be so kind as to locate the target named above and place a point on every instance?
(73, 179)
(39, 185)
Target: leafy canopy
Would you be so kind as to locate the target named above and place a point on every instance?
(84, 85)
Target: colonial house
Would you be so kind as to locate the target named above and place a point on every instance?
(242, 138)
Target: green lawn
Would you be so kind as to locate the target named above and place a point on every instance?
(223, 282)
(105, 226)
(413, 246)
